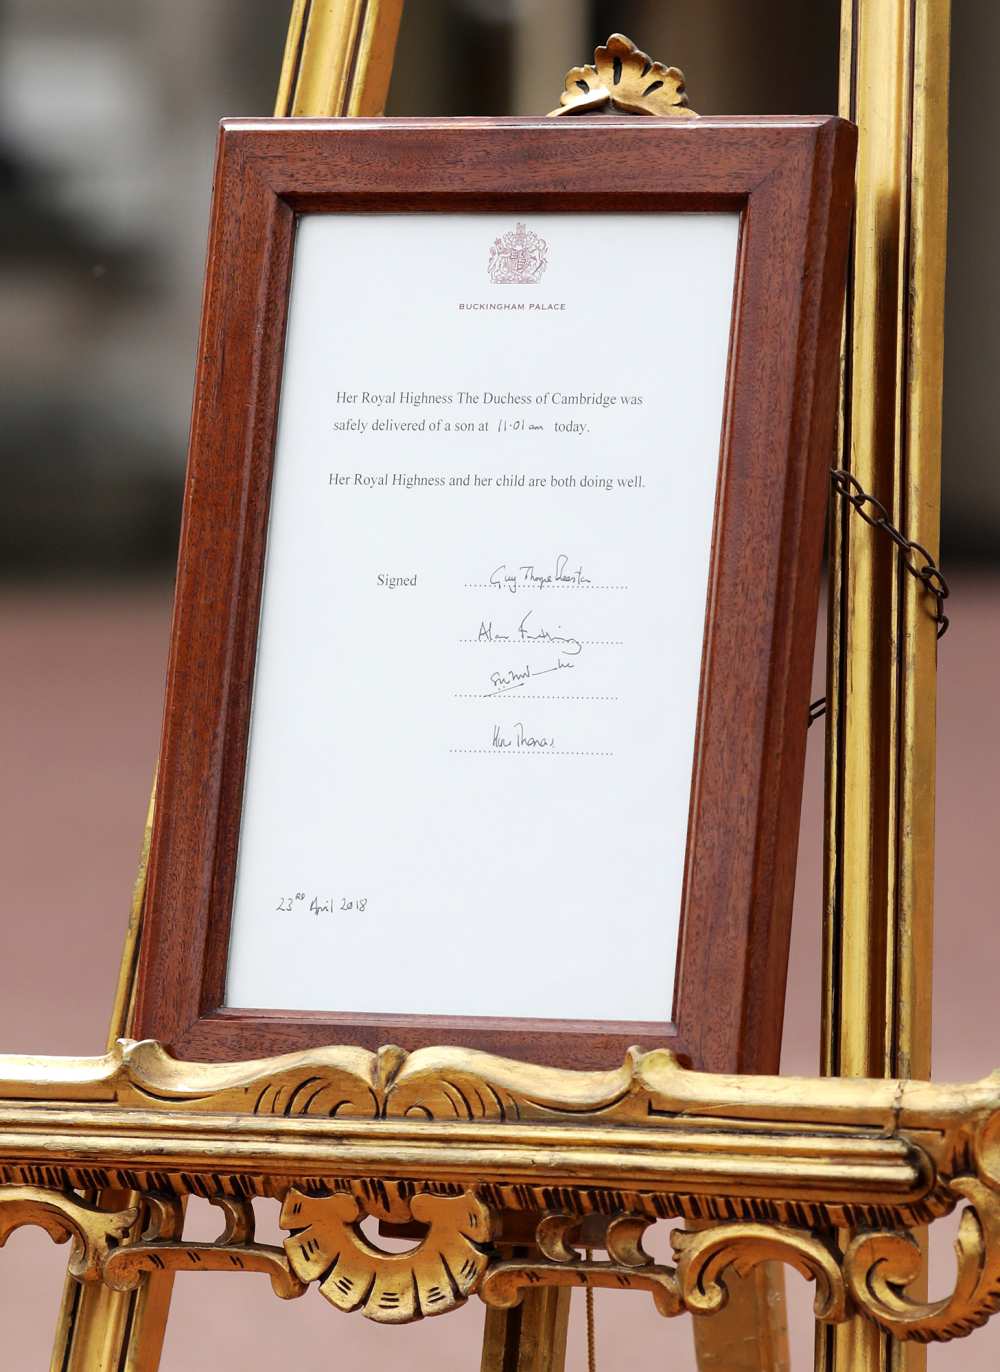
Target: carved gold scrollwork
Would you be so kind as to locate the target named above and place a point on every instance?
(326, 1245)
(872, 1275)
(94, 1232)
(629, 1268)
(505, 1284)
(704, 1257)
(162, 1249)
(880, 1266)
(699, 1282)
(431, 1084)
(624, 78)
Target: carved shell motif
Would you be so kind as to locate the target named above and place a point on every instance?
(627, 79)
(327, 1245)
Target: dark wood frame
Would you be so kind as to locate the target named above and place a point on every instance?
(792, 179)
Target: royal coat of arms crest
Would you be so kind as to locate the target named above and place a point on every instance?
(518, 258)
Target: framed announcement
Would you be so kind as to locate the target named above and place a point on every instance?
(487, 695)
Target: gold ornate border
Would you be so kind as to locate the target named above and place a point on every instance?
(490, 1158)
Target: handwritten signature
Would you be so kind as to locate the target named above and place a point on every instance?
(529, 577)
(518, 737)
(511, 680)
(527, 633)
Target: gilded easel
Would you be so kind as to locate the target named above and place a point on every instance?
(876, 1017)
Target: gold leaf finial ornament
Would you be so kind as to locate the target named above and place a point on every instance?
(626, 79)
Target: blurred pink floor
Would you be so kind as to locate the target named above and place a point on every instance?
(80, 701)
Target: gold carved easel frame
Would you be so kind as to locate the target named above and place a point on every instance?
(829, 1175)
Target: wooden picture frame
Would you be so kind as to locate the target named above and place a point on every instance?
(791, 182)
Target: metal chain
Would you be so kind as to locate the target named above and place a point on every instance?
(915, 557)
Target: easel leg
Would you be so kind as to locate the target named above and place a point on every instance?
(751, 1333)
(101, 1330)
(882, 654)
(531, 1337)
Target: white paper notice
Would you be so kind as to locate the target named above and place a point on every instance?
(474, 711)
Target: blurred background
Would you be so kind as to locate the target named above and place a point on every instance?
(107, 127)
